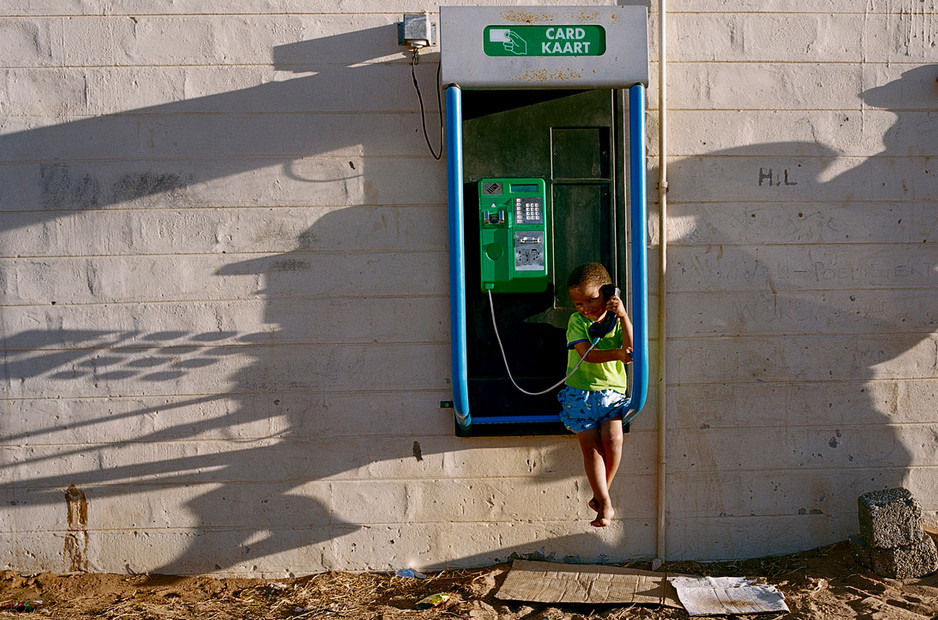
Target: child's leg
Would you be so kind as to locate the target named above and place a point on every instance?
(611, 433)
(612, 447)
(610, 453)
(591, 444)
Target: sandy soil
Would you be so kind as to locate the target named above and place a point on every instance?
(822, 583)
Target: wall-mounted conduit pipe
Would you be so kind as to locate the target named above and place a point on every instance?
(662, 279)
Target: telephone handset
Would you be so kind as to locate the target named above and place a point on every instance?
(599, 329)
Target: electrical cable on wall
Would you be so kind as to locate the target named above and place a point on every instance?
(423, 116)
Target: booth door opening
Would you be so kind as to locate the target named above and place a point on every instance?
(571, 139)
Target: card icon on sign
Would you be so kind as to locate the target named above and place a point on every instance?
(511, 40)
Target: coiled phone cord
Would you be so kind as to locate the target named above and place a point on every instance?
(505, 359)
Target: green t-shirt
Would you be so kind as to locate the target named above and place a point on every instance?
(590, 375)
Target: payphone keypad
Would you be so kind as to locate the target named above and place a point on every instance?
(529, 210)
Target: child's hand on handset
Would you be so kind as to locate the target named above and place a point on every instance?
(616, 306)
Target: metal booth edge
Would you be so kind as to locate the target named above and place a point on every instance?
(638, 211)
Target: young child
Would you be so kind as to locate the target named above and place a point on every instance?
(592, 399)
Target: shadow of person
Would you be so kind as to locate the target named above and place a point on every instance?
(815, 328)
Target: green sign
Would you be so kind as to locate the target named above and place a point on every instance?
(544, 40)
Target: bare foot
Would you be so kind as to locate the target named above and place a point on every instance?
(594, 505)
(604, 516)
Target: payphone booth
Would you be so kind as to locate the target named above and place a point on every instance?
(545, 116)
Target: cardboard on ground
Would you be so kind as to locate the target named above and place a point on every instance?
(551, 582)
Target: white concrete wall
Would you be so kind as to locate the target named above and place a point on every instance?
(801, 282)
(223, 270)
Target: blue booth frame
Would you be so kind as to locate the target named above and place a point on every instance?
(638, 210)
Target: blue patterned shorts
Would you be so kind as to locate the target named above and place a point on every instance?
(581, 410)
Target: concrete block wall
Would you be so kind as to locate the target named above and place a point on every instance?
(801, 280)
(223, 270)
(223, 286)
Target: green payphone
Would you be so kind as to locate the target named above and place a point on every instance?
(513, 238)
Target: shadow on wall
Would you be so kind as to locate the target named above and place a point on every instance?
(250, 431)
(809, 329)
(810, 336)
(183, 152)
(280, 487)
(254, 500)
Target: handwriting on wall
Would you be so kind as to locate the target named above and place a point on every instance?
(769, 178)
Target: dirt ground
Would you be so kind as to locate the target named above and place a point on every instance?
(822, 583)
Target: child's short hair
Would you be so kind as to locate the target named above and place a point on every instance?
(588, 273)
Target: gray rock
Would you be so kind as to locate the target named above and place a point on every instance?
(904, 562)
(890, 518)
